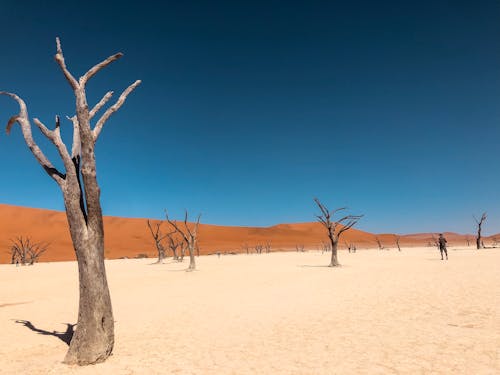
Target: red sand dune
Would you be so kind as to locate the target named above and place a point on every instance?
(126, 237)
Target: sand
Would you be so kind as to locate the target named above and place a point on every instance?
(128, 237)
(382, 312)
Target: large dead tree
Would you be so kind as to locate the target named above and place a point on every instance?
(94, 336)
(480, 222)
(189, 235)
(335, 228)
(158, 238)
(26, 252)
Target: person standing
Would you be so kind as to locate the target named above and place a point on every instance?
(442, 246)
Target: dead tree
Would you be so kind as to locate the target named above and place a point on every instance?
(335, 229)
(398, 238)
(299, 248)
(479, 222)
(325, 247)
(467, 240)
(189, 235)
(379, 244)
(158, 238)
(245, 248)
(174, 244)
(267, 246)
(94, 337)
(259, 248)
(25, 252)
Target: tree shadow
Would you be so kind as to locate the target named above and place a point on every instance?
(63, 336)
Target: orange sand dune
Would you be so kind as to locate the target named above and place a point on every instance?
(127, 237)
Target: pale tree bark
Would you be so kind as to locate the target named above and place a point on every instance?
(335, 229)
(480, 222)
(158, 238)
(189, 235)
(93, 339)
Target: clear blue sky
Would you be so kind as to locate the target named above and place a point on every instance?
(249, 109)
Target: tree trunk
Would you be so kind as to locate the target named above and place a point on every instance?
(334, 261)
(192, 262)
(94, 335)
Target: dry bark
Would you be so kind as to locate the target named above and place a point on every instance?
(94, 336)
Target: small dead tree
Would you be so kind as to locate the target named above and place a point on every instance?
(158, 238)
(25, 252)
(299, 248)
(398, 238)
(379, 244)
(245, 248)
(190, 237)
(335, 229)
(480, 222)
(94, 336)
(467, 240)
(259, 248)
(325, 247)
(267, 246)
(174, 244)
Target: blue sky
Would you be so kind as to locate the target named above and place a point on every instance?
(250, 109)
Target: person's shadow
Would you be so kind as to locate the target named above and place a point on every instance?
(63, 336)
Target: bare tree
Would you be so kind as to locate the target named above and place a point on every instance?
(379, 244)
(325, 247)
(174, 244)
(24, 251)
(398, 238)
(267, 246)
(189, 235)
(335, 229)
(467, 240)
(479, 222)
(158, 238)
(94, 337)
(299, 247)
(259, 248)
(245, 248)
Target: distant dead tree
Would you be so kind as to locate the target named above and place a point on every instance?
(479, 222)
(379, 244)
(189, 235)
(26, 252)
(467, 240)
(158, 238)
(259, 248)
(93, 340)
(267, 246)
(494, 241)
(398, 238)
(245, 248)
(335, 229)
(325, 247)
(299, 248)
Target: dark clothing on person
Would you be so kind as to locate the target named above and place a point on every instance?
(442, 246)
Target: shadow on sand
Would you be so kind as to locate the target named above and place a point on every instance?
(63, 336)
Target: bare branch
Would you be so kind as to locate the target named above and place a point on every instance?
(101, 104)
(55, 137)
(76, 148)
(113, 109)
(23, 120)
(96, 68)
(59, 57)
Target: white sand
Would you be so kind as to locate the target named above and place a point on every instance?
(383, 312)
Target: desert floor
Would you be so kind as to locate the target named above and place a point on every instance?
(382, 312)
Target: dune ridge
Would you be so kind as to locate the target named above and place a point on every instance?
(128, 237)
